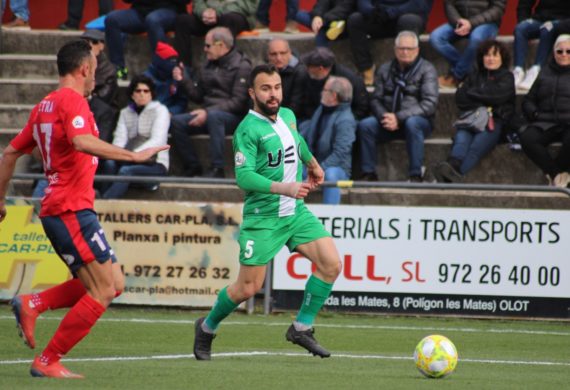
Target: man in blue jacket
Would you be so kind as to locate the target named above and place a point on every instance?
(331, 134)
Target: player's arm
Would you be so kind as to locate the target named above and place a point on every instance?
(315, 174)
(90, 144)
(7, 165)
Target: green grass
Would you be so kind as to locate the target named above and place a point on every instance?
(369, 352)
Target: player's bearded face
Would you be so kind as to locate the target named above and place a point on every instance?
(268, 107)
(267, 94)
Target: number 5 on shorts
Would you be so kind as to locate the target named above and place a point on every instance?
(248, 252)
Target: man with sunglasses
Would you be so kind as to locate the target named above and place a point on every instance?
(221, 89)
(547, 110)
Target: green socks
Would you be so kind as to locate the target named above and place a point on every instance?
(316, 293)
(223, 307)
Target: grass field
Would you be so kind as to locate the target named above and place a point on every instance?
(152, 349)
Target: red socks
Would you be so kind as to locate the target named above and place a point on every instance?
(73, 328)
(63, 295)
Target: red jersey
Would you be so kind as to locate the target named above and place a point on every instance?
(53, 123)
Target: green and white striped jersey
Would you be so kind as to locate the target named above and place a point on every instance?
(267, 151)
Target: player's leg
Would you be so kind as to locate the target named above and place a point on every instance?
(249, 281)
(80, 238)
(312, 241)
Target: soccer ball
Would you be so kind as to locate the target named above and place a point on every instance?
(435, 356)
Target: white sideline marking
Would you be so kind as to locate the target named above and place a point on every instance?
(287, 354)
(320, 325)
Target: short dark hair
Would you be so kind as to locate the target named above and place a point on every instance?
(141, 79)
(489, 44)
(320, 56)
(72, 55)
(263, 68)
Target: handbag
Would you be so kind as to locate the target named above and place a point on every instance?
(474, 120)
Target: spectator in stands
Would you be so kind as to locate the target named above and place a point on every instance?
(403, 106)
(535, 24)
(237, 16)
(331, 133)
(262, 14)
(221, 88)
(547, 109)
(153, 17)
(475, 20)
(490, 89)
(164, 60)
(142, 124)
(321, 64)
(293, 74)
(327, 19)
(75, 13)
(382, 19)
(106, 87)
(21, 13)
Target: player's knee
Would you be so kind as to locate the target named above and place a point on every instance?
(332, 269)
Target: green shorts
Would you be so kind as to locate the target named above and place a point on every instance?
(261, 238)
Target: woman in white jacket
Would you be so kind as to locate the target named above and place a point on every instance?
(142, 124)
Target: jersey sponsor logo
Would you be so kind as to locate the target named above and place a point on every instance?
(288, 157)
(272, 162)
(293, 126)
(239, 159)
(267, 136)
(78, 122)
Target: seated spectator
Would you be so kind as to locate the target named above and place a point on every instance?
(154, 18)
(535, 24)
(142, 124)
(237, 16)
(106, 87)
(489, 88)
(403, 106)
(382, 19)
(327, 19)
(164, 60)
(21, 13)
(321, 64)
(293, 74)
(547, 109)
(75, 13)
(331, 133)
(476, 21)
(262, 15)
(221, 89)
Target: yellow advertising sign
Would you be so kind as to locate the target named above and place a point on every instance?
(178, 254)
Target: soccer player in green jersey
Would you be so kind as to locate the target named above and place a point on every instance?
(269, 156)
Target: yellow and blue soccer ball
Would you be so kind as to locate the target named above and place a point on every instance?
(435, 356)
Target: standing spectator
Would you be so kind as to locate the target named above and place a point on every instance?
(164, 60)
(222, 90)
(153, 17)
(331, 133)
(75, 13)
(382, 19)
(475, 20)
(262, 15)
(321, 64)
(142, 124)
(540, 24)
(21, 14)
(293, 73)
(490, 86)
(327, 19)
(547, 109)
(237, 16)
(403, 106)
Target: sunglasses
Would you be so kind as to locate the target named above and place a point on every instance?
(139, 90)
(560, 51)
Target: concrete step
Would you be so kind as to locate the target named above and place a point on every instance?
(24, 91)
(28, 66)
(14, 115)
(408, 195)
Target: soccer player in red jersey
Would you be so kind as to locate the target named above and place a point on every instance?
(62, 127)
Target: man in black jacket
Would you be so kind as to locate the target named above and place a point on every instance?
(221, 89)
(321, 64)
(293, 74)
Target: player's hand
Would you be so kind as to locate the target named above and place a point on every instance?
(145, 155)
(3, 211)
(315, 176)
(298, 190)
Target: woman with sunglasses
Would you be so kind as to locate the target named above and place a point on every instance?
(546, 107)
(142, 124)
